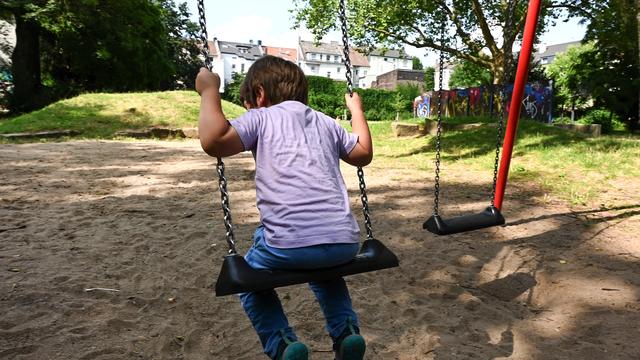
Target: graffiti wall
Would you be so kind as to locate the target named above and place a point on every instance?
(488, 101)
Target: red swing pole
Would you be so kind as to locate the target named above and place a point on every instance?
(522, 73)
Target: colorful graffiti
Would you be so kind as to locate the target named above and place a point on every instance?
(486, 101)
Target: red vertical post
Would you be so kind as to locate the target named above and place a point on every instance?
(522, 72)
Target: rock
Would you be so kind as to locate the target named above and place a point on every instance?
(431, 126)
(40, 134)
(406, 129)
(190, 133)
(594, 130)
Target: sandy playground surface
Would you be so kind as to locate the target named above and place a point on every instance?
(143, 218)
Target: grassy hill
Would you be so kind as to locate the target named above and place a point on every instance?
(569, 165)
(101, 115)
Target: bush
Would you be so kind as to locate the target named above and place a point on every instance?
(600, 116)
(232, 89)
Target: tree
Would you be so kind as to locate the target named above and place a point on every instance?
(26, 54)
(467, 74)
(604, 71)
(472, 27)
(416, 63)
(113, 45)
(615, 82)
(571, 72)
(182, 44)
(429, 78)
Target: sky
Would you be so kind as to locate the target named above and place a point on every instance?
(271, 21)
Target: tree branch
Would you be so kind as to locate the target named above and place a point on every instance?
(466, 38)
(429, 43)
(575, 8)
(484, 27)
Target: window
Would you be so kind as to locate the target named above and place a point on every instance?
(233, 66)
(313, 56)
(336, 58)
(328, 74)
(241, 68)
(338, 69)
(313, 68)
(357, 72)
(365, 73)
(385, 59)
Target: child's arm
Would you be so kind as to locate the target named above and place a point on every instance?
(217, 137)
(362, 153)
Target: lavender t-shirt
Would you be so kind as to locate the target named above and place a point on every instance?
(300, 191)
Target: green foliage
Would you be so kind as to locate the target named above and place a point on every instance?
(615, 79)
(407, 93)
(232, 89)
(471, 24)
(182, 44)
(467, 74)
(571, 72)
(605, 71)
(416, 63)
(429, 78)
(107, 45)
(607, 119)
(327, 96)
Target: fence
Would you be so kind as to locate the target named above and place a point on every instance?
(486, 101)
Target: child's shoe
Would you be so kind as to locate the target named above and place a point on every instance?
(292, 350)
(349, 345)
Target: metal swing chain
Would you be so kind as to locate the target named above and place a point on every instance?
(347, 63)
(222, 180)
(436, 199)
(505, 69)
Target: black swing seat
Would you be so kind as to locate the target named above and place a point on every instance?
(236, 276)
(491, 216)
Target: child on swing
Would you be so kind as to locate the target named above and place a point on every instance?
(306, 222)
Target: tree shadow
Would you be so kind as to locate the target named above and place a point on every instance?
(145, 219)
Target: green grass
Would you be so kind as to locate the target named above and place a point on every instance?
(101, 115)
(566, 164)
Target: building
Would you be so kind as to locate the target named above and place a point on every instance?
(238, 57)
(284, 53)
(546, 54)
(384, 61)
(323, 59)
(393, 78)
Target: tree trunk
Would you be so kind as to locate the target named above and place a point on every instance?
(637, 122)
(26, 63)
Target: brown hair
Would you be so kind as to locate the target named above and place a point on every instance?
(280, 79)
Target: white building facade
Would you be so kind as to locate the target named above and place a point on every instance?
(384, 61)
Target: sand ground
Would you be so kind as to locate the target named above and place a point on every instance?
(143, 218)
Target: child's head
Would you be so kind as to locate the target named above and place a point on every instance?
(278, 79)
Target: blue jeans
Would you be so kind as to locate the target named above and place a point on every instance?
(264, 308)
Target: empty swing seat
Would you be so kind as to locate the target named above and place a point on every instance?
(236, 276)
(491, 216)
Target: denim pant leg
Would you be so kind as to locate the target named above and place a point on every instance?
(264, 308)
(335, 302)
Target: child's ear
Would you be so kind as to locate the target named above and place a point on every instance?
(261, 97)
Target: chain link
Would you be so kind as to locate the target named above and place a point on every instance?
(222, 180)
(345, 49)
(506, 65)
(436, 198)
(347, 63)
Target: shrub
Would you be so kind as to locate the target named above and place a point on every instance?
(600, 116)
